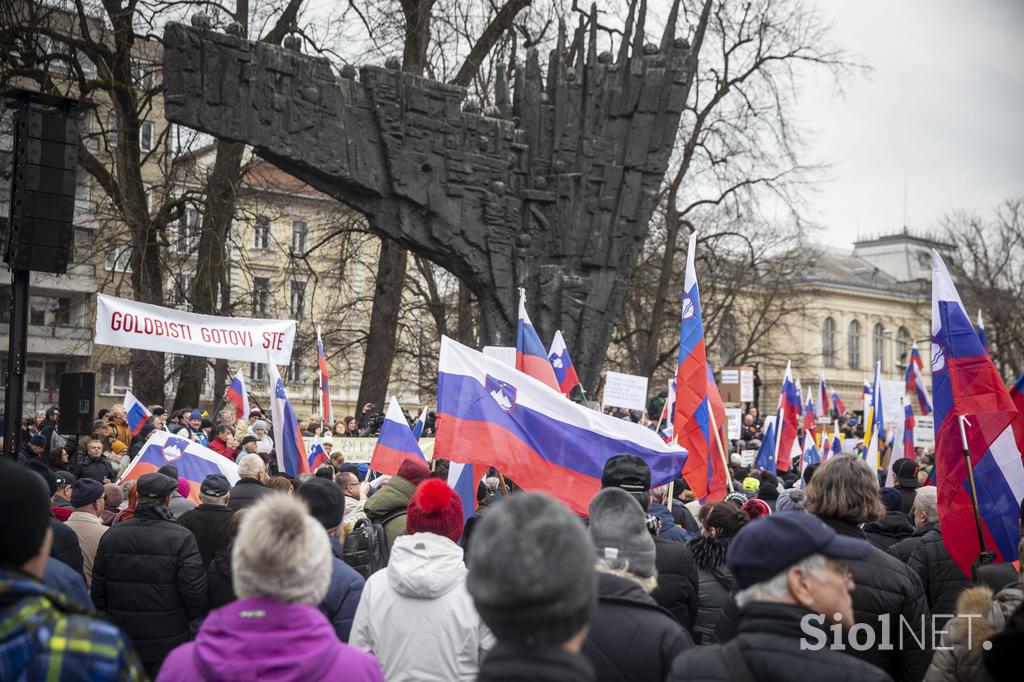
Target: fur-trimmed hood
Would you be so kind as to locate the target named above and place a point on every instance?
(709, 552)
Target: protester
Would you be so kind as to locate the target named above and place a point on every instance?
(348, 483)
(118, 421)
(326, 503)
(281, 484)
(677, 574)
(210, 520)
(787, 569)
(756, 509)
(31, 614)
(423, 585)
(532, 579)
(59, 459)
(926, 554)
(905, 474)
(129, 511)
(280, 569)
(65, 481)
(219, 590)
(668, 530)
(65, 545)
(892, 527)
(844, 494)
(148, 575)
(388, 505)
(626, 576)
(32, 450)
(222, 434)
(719, 523)
(790, 499)
(264, 443)
(113, 496)
(87, 501)
(249, 488)
(96, 466)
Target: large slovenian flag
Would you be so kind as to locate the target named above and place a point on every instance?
(193, 461)
(838, 406)
(291, 451)
(915, 380)
(690, 423)
(491, 415)
(326, 410)
(396, 442)
(966, 384)
(237, 396)
(788, 419)
(822, 407)
(565, 372)
(531, 358)
(135, 412)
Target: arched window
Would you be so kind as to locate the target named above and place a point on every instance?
(828, 342)
(853, 345)
(902, 348)
(878, 345)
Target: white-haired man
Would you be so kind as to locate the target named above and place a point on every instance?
(791, 589)
(252, 476)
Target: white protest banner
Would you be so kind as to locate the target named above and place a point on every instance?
(625, 390)
(924, 431)
(506, 354)
(746, 385)
(747, 457)
(892, 391)
(360, 450)
(730, 376)
(130, 324)
(734, 417)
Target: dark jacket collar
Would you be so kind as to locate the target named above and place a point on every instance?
(894, 523)
(774, 619)
(844, 527)
(153, 512)
(245, 480)
(215, 508)
(512, 662)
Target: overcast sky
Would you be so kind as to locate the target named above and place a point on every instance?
(943, 110)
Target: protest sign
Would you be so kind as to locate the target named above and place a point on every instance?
(734, 417)
(747, 457)
(924, 431)
(624, 390)
(130, 324)
(746, 385)
(360, 450)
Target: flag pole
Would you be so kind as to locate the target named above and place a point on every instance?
(970, 481)
(721, 449)
(504, 485)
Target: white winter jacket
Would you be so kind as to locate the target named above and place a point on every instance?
(416, 616)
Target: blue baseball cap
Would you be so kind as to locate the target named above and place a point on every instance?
(770, 545)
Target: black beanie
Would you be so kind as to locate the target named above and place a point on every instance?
(325, 501)
(23, 496)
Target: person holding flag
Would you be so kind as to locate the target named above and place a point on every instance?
(530, 356)
(292, 458)
(915, 380)
(326, 410)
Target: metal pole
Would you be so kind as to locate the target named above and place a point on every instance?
(970, 481)
(15, 387)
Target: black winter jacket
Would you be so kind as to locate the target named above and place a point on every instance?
(209, 523)
(514, 663)
(245, 492)
(219, 588)
(943, 580)
(677, 581)
(769, 643)
(714, 583)
(148, 577)
(908, 495)
(889, 530)
(65, 546)
(97, 470)
(631, 638)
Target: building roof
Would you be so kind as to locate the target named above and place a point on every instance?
(905, 236)
(853, 272)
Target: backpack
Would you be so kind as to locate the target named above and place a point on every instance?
(366, 547)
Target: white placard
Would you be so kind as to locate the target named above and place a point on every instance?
(892, 391)
(506, 354)
(747, 457)
(130, 324)
(924, 431)
(746, 385)
(734, 417)
(624, 390)
(730, 376)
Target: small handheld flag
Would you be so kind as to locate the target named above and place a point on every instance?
(396, 442)
(838, 406)
(291, 451)
(421, 423)
(326, 410)
(317, 454)
(464, 479)
(565, 372)
(915, 380)
(788, 419)
(810, 454)
(237, 396)
(822, 407)
(135, 412)
(530, 355)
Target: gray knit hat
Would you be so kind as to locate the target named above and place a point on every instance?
(531, 571)
(618, 527)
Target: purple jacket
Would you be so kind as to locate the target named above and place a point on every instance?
(257, 638)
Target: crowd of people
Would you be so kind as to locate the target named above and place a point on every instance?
(259, 580)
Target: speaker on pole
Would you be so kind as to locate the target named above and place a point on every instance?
(77, 403)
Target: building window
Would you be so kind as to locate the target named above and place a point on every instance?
(112, 129)
(146, 136)
(51, 374)
(297, 300)
(902, 347)
(182, 292)
(878, 345)
(114, 379)
(262, 240)
(828, 342)
(85, 131)
(260, 296)
(299, 232)
(144, 75)
(188, 231)
(853, 345)
(257, 371)
(119, 258)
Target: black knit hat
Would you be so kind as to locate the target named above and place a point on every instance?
(25, 504)
(531, 571)
(628, 472)
(325, 500)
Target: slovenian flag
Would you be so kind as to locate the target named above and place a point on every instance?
(326, 411)
(464, 480)
(788, 419)
(317, 454)
(967, 385)
(838, 406)
(531, 358)
(492, 415)
(826, 445)
(291, 451)
(565, 372)
(822, 407)
(237, 396)
(421, 423)
(810, 454)
(135, 412)
(915, 380)
(193, 462)
(396, 442)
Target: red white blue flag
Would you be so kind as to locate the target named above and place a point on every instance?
(915, 380)
(192, 460)
(967, 384)
(565, 372)
(982, 336)
(317, 454)
(396, 442)
(690, 423)
(810, 453)
(826, 445)
(237, 396)
(291, 451)
(490, 414)
(135, 412)
(531, 358)
(421, 423)
(838, 406)
(821, 407)
(809, 415)
(1017, 396)
(326, 411)
(464, 480)
(788, 420)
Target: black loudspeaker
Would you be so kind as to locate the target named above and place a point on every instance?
(77, 403)
(40, 232)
